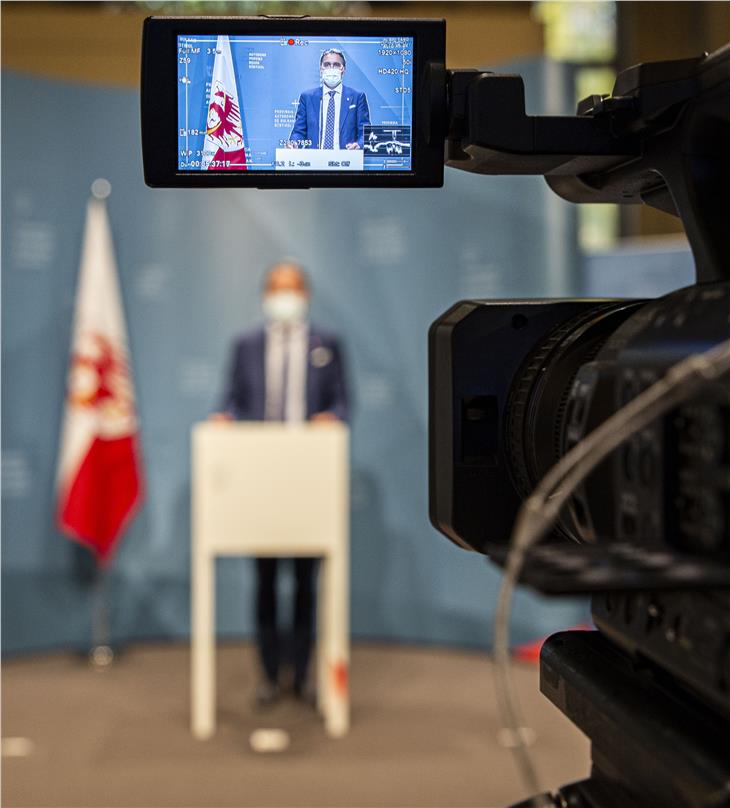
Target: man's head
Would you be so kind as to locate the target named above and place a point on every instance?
(286, 293)
(332, 66)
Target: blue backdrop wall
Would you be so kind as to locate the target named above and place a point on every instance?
(190, 267)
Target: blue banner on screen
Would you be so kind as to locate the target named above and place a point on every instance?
(277, 103)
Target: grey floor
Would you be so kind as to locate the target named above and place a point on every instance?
(424, 733)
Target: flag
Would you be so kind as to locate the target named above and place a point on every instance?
(223, 148)
(99, 481)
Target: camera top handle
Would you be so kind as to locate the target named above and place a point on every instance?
(662, 137)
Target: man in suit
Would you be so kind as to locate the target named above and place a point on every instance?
(332, 115)
(289, 370)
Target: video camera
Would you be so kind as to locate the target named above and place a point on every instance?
(515, 384)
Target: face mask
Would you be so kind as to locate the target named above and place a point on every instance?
(285, 307)
(331, 77)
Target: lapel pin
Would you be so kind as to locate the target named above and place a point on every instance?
(320, 356)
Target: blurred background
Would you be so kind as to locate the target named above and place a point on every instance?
(190, 267)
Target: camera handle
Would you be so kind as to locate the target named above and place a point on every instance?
(662, 138)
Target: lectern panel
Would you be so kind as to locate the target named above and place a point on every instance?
(280, 490)
(270, 488)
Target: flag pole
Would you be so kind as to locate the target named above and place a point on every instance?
(99, 477)
(101, 655)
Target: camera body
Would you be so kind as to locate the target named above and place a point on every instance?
(514, 385)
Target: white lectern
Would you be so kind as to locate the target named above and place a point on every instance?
(269, 489)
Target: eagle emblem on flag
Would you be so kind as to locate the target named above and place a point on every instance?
(224, 120)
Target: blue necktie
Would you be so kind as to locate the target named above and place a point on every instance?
(329, 129)
(284, 390)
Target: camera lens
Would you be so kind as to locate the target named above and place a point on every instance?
(537, 408)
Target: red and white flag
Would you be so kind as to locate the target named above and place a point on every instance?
(99, 482)
(223, 148)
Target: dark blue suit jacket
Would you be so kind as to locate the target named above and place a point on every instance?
(354, 114)
(245, 397)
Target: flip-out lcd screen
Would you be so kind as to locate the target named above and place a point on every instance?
(299, 103)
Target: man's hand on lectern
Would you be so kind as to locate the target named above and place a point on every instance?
(323, 418)
(220, 417)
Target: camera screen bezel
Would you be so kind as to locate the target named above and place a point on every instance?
(159, 101)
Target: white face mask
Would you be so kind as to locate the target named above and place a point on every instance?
(332, 77)
(285, 307)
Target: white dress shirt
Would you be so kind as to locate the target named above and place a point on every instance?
(286, 347)
(325, 104)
